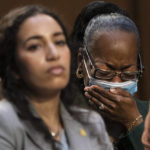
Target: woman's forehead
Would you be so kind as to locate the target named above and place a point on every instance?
(113, 39)
(117, 45)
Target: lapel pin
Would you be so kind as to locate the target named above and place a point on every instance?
(82, 132)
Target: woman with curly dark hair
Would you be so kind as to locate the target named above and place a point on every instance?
(35, 71)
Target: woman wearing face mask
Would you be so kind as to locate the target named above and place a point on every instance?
(109, 66)
(34, 68)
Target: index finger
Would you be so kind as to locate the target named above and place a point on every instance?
(104, 92)
(120, 91)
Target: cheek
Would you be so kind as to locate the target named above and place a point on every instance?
(29, 64)
(67, 58)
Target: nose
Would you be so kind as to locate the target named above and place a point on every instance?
(116, 78)
(52, 52)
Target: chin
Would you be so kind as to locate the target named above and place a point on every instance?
(51, 89)
(60, 85)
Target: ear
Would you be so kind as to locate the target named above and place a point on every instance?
(79, 71)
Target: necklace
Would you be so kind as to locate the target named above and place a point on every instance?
(55, 134)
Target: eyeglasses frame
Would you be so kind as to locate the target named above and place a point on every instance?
(139, 72)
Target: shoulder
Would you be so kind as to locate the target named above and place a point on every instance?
(94, 124)
(7, 113)
(10, 125)
(86, 115)
(90, 119)
(139, 101)
(143, 106)
(5, 106)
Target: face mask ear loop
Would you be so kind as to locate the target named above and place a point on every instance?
(140, 64)
(87, 53)
(86, 68)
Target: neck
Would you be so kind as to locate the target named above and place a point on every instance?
(48, 109)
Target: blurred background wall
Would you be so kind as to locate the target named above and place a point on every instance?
(69, 9)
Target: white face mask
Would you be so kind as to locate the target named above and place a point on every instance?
(130, 86)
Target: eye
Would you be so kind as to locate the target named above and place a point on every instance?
(60, 42)
(130, 75)
(34, 47)
(100, 72)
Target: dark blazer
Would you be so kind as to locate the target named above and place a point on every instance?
(16, 134)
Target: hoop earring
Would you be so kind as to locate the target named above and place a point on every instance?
(79, 74)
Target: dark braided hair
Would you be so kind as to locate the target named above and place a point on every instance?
(12, 88)
(87, 13)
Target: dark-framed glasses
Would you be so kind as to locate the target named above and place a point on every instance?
(110, 74)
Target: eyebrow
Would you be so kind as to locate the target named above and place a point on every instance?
(58, 34)
(122, 68)
(40, 37)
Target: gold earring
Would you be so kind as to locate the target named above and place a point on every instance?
(79, 74)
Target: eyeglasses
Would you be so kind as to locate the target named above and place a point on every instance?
(109, 74)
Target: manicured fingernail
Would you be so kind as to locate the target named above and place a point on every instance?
(86, 93)
(113, 90)
(86, 89)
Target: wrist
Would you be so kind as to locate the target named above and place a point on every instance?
(138, 120)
